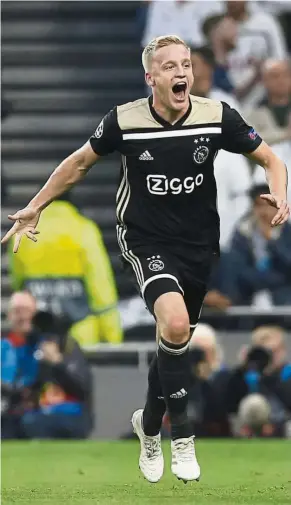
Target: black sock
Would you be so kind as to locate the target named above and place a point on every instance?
(155, 406)
(174, 373)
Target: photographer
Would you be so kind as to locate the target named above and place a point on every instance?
(207, 394)
(62, 386)
(259, 390)
(46, 379)
(18, 370)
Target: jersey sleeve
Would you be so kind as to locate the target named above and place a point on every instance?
(237, 135)
(107, 135)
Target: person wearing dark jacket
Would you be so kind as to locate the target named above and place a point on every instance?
(207, 394)
(259, 389)
(61, 390)
(17, 366)
(259, 258)
(46, 382)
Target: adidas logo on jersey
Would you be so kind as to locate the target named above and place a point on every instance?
(179, 394)
(146, 156)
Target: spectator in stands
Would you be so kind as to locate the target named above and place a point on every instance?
(203, 64)
(69, 272)
(259, 260)
(221, 33)
(15, 386)
(259, 37)
(232, 171)
(62, 386)
(259, 389)
(184, 18)
(45, 378)
(279, 8)
(207, 395)
(272, 119)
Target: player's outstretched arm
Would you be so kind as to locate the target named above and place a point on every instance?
(68, 173)
(277, 178)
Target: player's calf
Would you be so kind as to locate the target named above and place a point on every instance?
(174, 374)
(173, 360)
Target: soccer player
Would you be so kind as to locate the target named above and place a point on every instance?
(167, 223)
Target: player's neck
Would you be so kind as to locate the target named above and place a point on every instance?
(169, 115)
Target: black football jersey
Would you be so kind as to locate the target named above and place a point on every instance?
(167, 190)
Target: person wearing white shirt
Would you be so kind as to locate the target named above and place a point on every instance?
(259, 37)
(183, 18)
(272, 119)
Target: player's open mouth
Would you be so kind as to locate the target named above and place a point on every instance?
(179, 90)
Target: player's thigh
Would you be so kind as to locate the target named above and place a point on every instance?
(156, 276)
(172, 317)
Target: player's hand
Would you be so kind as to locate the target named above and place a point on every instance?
(25, 222)
(283, 209)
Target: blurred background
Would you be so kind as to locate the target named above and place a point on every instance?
(76, 337)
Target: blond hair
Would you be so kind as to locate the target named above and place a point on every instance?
(264, 333)
(157, 43)
(204, 333)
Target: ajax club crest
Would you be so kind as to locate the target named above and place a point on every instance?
(155, 263)
(201, 154)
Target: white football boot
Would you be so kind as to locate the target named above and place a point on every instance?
(151, 459)
(184, 462)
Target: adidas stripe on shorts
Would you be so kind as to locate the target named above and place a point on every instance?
(156, 271)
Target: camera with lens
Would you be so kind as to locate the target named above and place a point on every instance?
(197, 355)
(198, 362)
(257, 359)
(49, 327)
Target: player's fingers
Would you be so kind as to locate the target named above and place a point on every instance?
(17, 242)
(285, 216)
(8, 235)
(13, 217)
(277, 218)
(269, 198)
(280, 214)
(35, 232)
(31, 236)
(284, 219)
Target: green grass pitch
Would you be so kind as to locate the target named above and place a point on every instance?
(106, 473)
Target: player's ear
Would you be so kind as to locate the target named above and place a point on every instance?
(149, 79)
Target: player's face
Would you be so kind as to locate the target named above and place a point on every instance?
(171, 76)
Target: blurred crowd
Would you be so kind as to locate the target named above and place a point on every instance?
(250, 399)
(47, 386)
(45, 378)
(65, 294)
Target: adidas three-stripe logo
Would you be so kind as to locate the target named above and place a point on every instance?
(146, 156)
(179, 394)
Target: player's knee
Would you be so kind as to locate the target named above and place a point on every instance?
(178, 329)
